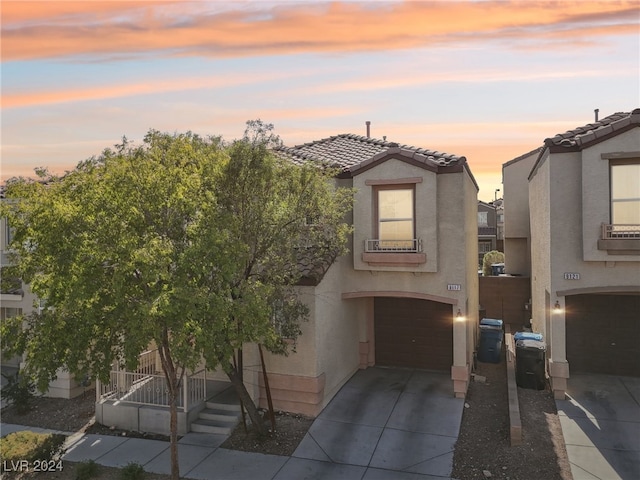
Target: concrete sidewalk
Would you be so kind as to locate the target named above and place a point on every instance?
(600, 421)
(201, 457)
(383, 424)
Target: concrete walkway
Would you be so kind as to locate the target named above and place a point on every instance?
(383, 424)
(600, 421)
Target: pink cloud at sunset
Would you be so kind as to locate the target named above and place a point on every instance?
(61, 29)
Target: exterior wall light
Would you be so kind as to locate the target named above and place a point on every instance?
(459, 316)
(557, 308)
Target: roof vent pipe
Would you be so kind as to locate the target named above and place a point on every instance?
(596, 112)
(368, 128)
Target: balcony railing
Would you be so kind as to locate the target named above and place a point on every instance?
(619, 231)
(413, 245)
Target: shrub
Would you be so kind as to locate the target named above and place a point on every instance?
(31, 446)
(19, 391)
(489, 258)
(86, 470)
(133, 471)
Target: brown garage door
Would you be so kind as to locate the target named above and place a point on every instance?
(413, 333)
(603, 334)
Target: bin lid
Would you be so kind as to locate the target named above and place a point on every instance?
(531, 344)
(527, 336)
(494, 322)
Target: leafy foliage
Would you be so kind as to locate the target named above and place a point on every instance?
(86, 470)
(183, 241)
(19, 391)
(489, 259)
(132, 471)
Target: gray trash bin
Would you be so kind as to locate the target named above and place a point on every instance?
(490, 347)
(530, 364)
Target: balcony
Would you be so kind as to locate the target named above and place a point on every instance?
(393, 253)
(619, 239)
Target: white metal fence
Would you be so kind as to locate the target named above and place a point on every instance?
(146, 386)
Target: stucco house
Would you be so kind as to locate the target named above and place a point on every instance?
(407, 293)
(572, 222)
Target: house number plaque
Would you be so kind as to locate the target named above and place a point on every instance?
(571, 276)
(454, 286)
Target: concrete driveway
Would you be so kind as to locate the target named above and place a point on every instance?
(600, 421)
(387, 423)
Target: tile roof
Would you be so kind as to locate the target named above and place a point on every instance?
(350, 152)
(579, 137)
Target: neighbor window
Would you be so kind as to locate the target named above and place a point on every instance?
(395, 220)
(482, 219)
(625, 193)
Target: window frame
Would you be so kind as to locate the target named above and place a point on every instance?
(612, 164)
(376, 210)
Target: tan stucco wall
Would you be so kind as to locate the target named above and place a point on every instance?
(516, 215)
(426, 212)
(540, 245)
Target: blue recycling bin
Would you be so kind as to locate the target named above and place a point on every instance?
(527, 336)
(490, 347)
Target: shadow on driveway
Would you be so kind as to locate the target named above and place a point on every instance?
(601, 426)
(388, 420)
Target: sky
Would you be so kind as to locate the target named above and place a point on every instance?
(486, 79)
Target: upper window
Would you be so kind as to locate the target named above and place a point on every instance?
(625, 193)
(482, 219)
(395, 222)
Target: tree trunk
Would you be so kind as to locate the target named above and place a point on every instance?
(173, 428)
(245, 398)
(267, 389)
(171, 376)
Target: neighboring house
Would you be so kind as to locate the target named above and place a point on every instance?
(407, 293)
(16, 298)
(487, 230)
(583, 245)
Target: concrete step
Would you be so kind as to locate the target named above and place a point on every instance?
(211, 426)
(220, 415)
(232, 407)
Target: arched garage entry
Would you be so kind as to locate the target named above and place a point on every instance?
(411, 332)
(603, 333)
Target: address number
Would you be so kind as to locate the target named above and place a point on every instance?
(572, 276)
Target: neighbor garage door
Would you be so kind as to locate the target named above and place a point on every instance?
(413, 333)
(603, 334)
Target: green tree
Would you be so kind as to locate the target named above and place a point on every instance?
(182, 241)
(489, 259)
